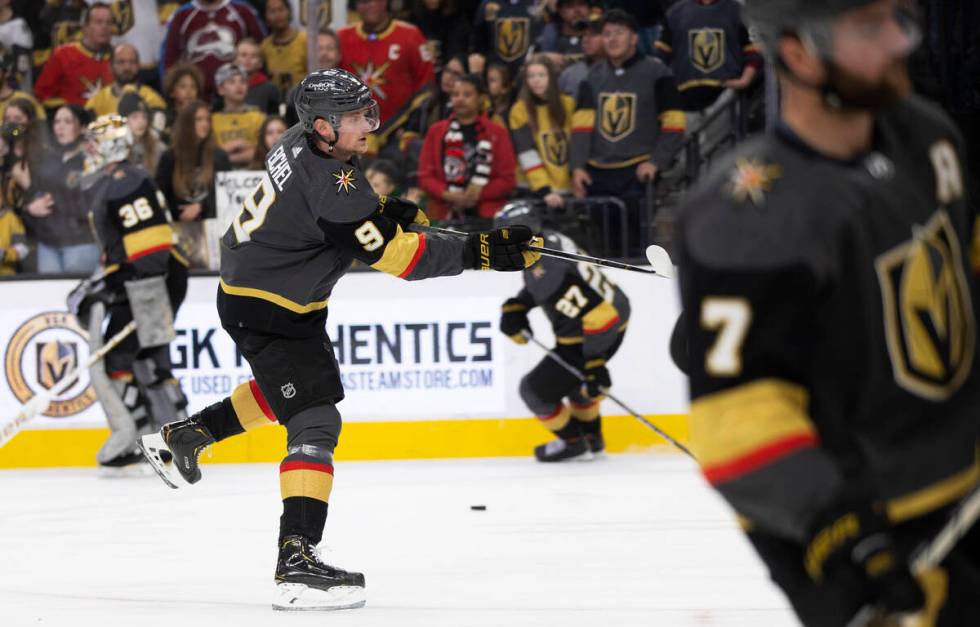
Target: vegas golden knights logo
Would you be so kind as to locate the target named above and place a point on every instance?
(929, 324)
(555, 147)
(322, 13)
(513, 37)
(55, 359)
(707, 48)
(617, 115)
(122, 16)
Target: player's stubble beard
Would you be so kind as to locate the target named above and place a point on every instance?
(856, 93)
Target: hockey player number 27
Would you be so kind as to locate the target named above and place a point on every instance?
(731, 318)
(254, 209)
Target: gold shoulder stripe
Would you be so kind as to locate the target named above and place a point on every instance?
(275, 299)
(583, 121)
(400, 254)
(148, 241)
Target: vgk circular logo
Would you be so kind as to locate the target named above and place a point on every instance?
(42, 351)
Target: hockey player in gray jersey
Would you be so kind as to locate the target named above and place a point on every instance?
(131, 223)
(588, 314)
(310, 217)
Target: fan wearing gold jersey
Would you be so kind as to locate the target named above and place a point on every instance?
(284, 50)
(236, 126)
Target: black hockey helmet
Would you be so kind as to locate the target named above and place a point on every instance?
(329, 94)
(519, 212)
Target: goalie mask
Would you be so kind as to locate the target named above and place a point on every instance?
(108, 140)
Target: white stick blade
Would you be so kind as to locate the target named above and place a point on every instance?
(660, 261)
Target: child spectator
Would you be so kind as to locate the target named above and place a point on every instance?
(467, 163)
(261, 94)
(500, 86)
(236, 126)
(383, 177)
(182, 85)
(186, 171)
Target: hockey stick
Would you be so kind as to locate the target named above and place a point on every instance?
(581, 377)
(40, 401)
(931, 554)
(657, 256)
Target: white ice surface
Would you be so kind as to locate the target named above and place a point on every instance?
(626, 540)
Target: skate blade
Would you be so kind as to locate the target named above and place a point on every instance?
(152, 446)
(297, 597)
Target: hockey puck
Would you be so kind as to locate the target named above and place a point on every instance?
(478, 508)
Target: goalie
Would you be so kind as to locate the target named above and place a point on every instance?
(134, 383)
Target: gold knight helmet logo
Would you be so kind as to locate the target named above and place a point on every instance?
(929, 320)
(513, 37)
(41, 352)
(707, 48)
(555, 147)
(617, 115)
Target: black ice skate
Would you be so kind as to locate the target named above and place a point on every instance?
(303, 582)
(593, 436)
(175, 450)
(559, 450)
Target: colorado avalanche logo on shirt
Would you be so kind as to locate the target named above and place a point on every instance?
(345, 180)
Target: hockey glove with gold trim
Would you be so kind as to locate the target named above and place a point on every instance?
(597, 377)
(503, 249)
(513, 320)
(404, 212)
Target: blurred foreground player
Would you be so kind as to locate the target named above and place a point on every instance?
(132, 225)
(309, 218)
(831, 310)
(588, 315)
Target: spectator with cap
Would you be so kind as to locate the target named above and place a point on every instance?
(236, 125)
(186, 171)
(125, 66)
(261, 94)
(7, 92)
(707, 46)
(76, 70)
(205, 33)
(614, 151)
(592, 50)
(54, 212)
(147, 147)
(467, 166)
(563, 37)
(284, 50)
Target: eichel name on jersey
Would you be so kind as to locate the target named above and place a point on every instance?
(578, 300)
(831, 344)
(309, 218)
(132, 226)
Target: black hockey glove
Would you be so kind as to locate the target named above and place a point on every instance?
(855, 536)
(502, 249)
(404, 212)
(86, 294)
(513, 320)
(596, 378)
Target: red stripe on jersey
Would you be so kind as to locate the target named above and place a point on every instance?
(120, 374)
(671, 129)
(603, 328)
(553, 414)
(758, 458)
(415, 258)
(582, 129)
(298, 465)
(149, 251)
(534, 167)
(260, 400)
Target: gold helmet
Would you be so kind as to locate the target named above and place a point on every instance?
(109, 141)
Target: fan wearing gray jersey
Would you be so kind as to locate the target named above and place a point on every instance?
(311, 216)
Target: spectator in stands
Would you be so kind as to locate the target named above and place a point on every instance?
(614, 151)
(541, 126)
(563, 37)
(13, 239)
(707, 46)
(467, 165)
(77, 70)
(236, 126)
(261, 94)
(205, 33)
(147, 148)
(186, 171)
(500, 89)
(503, 33)
(573, 75)
(649, 15)
(58, 23)
(284, 50)
(445, 26)
(7, 92)
(15, 34)
(328, 56)
(383, 176)
(21, 111)
(393, 59)
(269, 133)
(183, 84)
(125, 66)
(26, 132)
(54, 213)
